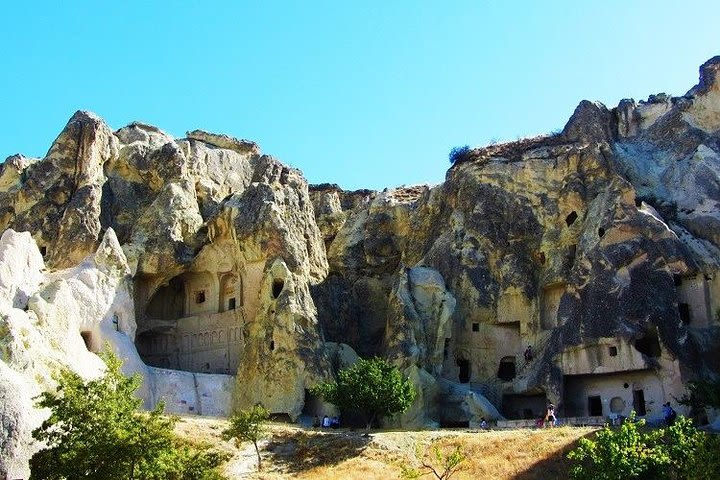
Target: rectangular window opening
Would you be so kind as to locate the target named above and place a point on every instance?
(231, 304)
(475, 327)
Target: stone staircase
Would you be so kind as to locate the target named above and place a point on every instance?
(454, 396)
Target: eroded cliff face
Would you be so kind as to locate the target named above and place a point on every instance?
(213, 249)
(597, 247)
(224, 280)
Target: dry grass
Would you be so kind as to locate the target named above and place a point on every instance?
(292, 452)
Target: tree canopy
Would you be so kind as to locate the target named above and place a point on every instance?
(374, 388)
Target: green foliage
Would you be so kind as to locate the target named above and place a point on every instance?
(459, 154)
(374, 388)
(248, 425)
(634, 452)
(440, 464)
(702, 394)
(95, 431)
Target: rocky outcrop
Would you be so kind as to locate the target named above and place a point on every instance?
(606, 230)
(192, 258)
(579, 268)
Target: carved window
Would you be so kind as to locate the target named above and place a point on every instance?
(231, 304)
(200, 297)
(475, 327)
(570, 219)
(613, 351)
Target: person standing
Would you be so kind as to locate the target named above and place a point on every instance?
(550, 415)
(669, 414)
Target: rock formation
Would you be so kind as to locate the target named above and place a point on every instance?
(223, 279)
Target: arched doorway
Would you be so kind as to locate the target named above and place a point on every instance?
(168, 302)
(231, 292)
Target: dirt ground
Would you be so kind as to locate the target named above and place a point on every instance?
(293, 452)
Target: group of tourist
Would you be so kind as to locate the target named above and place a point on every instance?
(327, 422)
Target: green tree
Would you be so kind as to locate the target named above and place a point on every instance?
(96, 431)
(702, 394)
(248, 425)
(375, 388)
(633, 452)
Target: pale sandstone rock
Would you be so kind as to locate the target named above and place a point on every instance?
(20, 269)
(597, 246)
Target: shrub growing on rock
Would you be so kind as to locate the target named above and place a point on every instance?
(373, 388)
(459, 154)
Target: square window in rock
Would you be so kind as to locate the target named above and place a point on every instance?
(200, 296)
(475, 327)
(231, 304)
(613, 351)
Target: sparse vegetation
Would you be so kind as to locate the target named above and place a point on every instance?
(373, 388)
(459, 154)
(631, 451)
(248, 425)
(439, 462)
(96, 431)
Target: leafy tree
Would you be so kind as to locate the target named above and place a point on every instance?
(702, 394)
(633, 452)
(248, 425)
(96, 431)
(375, 388)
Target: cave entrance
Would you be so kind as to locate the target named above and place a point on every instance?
(464, 367)
(639, 402)
(277, 287)
(524, 406)
(168, 303)
(649, 344)
(87, 337)
(507, 370)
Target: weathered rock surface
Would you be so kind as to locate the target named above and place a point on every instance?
(597, 246)
(217, 274)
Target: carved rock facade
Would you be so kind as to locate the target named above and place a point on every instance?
(222, 278)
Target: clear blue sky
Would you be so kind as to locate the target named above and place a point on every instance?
(363, 94)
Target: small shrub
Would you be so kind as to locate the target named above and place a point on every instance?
(248, 425)
(438, 462)
(459, 154)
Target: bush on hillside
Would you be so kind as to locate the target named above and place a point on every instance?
(96, 431)
(459, 154)
(250, 426)
(634, 452)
